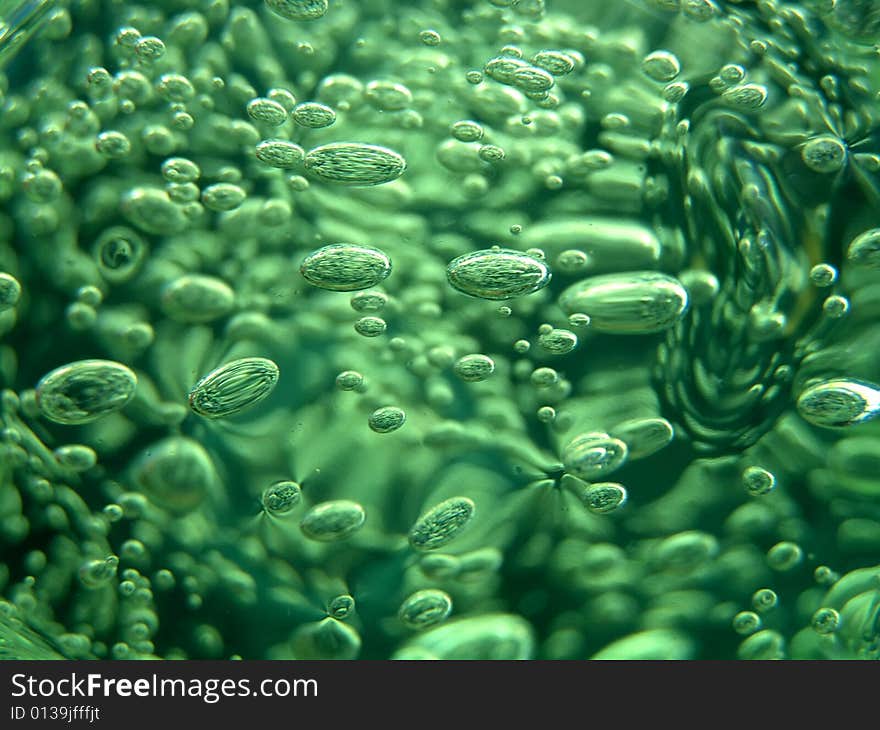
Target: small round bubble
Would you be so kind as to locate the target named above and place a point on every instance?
(425, 608)
(558, 341)
(341, 607)
(345, 267)
(349, 380)
(603, 498)
(467, 130)
(281, 497)
(824, 154)
(661, 66)
(825, 621)
(593, 455)
(784, 556)
(333, 521)
(764, 599)
(386, 419)
(823, 275)
(10, 291)
(369, 301)
(430, 37)
(746, 623)
(497, 274)
(370, 326)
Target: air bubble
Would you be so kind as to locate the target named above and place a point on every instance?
(223, 196)
(345, 267)
(84, 391)
(497, 274)
(10, 291)
(386, 419)
(441, 524)
(746, 623)
(370, 326)
(333, 521)
(764, 599)
(644, 436)
(354, 163)
(195, 298)
(425, 608)
(298, 9)
(234, 387)
(784, 556)
(281, 497)
(746, 97)
(349, 380)
(467, 130)
(430, 38)
(474, 368)
(593, 455)
(604, 497)
(341, 607)
(757, 481)
(558, 341)
(824, 154)
(661, 66)
(313, 115)
(839, 403)
(823, 275)
(628, 304)
(279, 153)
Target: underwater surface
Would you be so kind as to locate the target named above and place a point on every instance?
(445, 329)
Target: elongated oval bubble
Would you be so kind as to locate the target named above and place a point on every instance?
(332, 521)
(298, 9)
(84, 391)
(354, 163)
(497, 274)
(345, 267)
(839, 403)
(637, 303)
(234, 387)
(441, 524)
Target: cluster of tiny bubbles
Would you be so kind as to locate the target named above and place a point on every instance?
(487, 330)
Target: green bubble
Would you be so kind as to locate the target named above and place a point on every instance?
(354, 163)
(281, 498)
(386, 419)
(593, 455)
(333, 521)
(425, 608)
(234, 387)
(474, 368)
(345, 267)
(441, 524)
(497, 274)
(84, 391)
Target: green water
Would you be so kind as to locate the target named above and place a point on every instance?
(440, 329)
